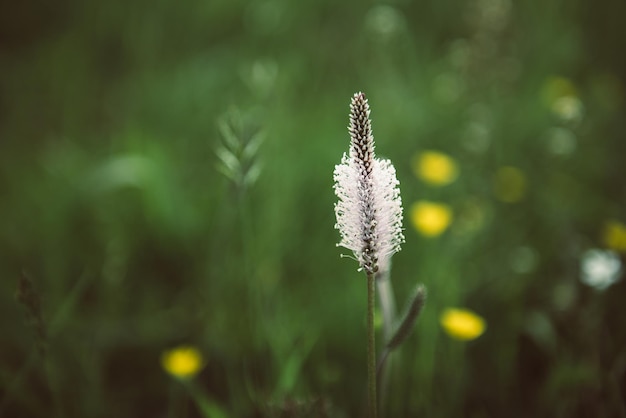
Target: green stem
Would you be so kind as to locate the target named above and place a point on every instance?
(247, 236)
(371, 345)
(388, 310)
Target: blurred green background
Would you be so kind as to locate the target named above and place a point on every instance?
(166, 181)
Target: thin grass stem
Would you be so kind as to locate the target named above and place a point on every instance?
(371, 345)
(388, 310)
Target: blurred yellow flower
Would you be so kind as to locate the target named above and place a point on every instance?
(615, 235)
(510, 184)
(182, 362)
(435, 168)
(430, 218)
(462, 324)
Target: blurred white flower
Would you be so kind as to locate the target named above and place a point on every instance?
(560, 141)
(568, 108)
(384, 20)
(600, 269)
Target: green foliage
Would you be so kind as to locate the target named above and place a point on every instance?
(166, 178)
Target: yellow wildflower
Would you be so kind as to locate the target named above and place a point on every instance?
(510, 184)
(435, 168)
(615, 235)
(462, 324)
(182, 362)
(429, 218)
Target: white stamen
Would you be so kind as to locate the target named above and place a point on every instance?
(369, 210)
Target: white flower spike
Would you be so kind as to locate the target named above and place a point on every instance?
(369, 210)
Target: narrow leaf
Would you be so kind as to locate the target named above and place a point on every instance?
(229, 160)
(252, 174)
(414, 308)
(251, 148)
(230, 138)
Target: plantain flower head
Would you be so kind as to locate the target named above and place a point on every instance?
(369, 210)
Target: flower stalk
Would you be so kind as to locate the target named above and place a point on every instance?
(371, 346)
(369, 216)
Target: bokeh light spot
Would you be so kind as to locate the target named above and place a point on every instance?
(561, 96)
(462, 324)
(568, 108)
(430, 218)
(384, 20)
(182, 362)
(560, 141)
(435, 168)
(600, 269)
(615, 235)
(557, 87)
